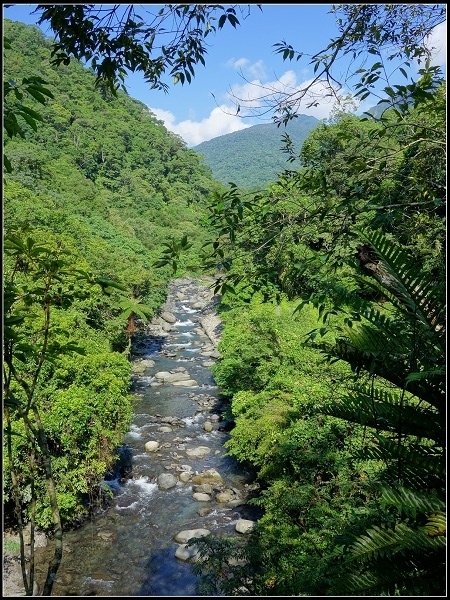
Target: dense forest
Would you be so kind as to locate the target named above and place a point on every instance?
(86, 216)
(332, 295)
(253, 157)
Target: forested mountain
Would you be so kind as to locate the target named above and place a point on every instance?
(332, 294)
(253, 157)
(97, 186)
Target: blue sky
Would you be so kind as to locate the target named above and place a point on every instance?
(193, 112)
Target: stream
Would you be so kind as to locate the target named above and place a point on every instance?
(129, 549)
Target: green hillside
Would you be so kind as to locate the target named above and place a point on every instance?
(253, 157)
(97, 186)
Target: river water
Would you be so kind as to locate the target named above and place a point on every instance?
(129, 549)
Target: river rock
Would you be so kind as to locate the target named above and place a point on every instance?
(225, 496)
(167, 327)
(236, 502)
(171, 420)
(166, 481)
(151, 446)
(244, 525)
(168, 317)
(187, 534)
(199, 452)
(165, 429)
(208, 426)
(167, 377)
(203, 511)
(148, 362)
(199, 497)
(187, 383)
(186, 468)
(210, 476)
(185, 552)
(185, 476)
(204, 488)
(214, 418)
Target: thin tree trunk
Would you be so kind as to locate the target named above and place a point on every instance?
(17, 506)
(51, 490)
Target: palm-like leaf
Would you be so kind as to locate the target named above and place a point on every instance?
(418, 294)
(387, 411)
(404, 347)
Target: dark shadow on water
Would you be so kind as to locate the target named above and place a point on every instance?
(122, 469)
(168, 576)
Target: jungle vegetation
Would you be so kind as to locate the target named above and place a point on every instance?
(96, 189)
(332, 283)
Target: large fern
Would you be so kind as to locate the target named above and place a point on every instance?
(400, 346)
(383, 411)
(418, 295)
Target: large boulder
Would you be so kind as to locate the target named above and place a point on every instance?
(187, 383)
(200, 497)
(167, 377)
(225, 496)
(168, 317)
(199, 452)
(244, 525)
(151, 446)
(166, 481)
(185, 552)
(187, 534)
(210, 476)
(204, 488)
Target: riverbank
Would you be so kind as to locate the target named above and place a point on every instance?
(178, 478)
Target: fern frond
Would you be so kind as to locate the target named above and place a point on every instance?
(396, 371)
(383, 410)
(422, 466)
(374, 341)
(384, 542)
(436, 525)
(416, 291)
(411, 502)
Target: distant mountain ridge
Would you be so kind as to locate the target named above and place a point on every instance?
(252, 157)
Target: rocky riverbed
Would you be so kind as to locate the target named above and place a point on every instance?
(174, 481)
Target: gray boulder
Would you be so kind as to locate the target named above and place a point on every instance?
(185, 552)
(187, 534)
(199, 497)
(210, 476)
(244, 525)
(199, 452)
(168, 317)
(152, 446)
(166, 481)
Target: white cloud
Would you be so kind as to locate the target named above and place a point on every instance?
(256, 69)
(238, 63)
(437, 43)
(255, 96)
(223, 119)
(219, 122)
